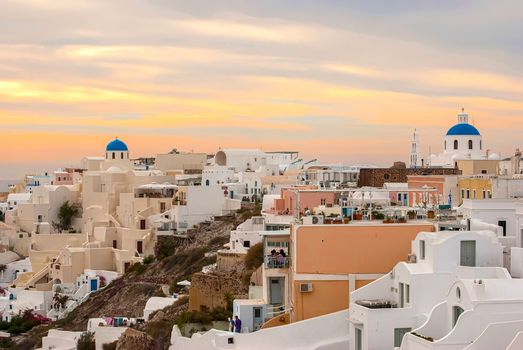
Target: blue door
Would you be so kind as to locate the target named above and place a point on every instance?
(94, 285)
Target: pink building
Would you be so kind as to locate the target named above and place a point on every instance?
(304, 197)
(64, 177)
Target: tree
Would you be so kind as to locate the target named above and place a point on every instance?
(254, 257)
(66, 213)
(60, 300)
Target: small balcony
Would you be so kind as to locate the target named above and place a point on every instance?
(276, 262)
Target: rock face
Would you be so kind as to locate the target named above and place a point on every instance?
(135, 340)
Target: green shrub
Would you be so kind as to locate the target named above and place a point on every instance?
(86, 342)
(164, 248)
(148, 259)
(379, 216)
(137, 267)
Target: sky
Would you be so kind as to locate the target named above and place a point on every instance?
(341, 81)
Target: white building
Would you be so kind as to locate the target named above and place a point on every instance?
(499, 212)
(156, 303)
(252, 230)
(15, 199)
(329, 332)
(386, 309)
(476, 313)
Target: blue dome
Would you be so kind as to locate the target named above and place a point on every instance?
(116, 145)
(463, 129)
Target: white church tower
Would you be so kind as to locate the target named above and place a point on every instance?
(415, 157)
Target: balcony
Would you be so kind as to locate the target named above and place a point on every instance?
(277, 262)
(377, 304)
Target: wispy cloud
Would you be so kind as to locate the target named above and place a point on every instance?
(339, 80)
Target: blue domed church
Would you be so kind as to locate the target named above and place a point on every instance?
(116, 150)
(463, 141)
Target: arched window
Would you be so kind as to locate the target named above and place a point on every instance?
(207, 182)
(470, 144)
(455, 144)
(445, 145)
(480, 145)
(114, 155)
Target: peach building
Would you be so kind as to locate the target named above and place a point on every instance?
(324, 263)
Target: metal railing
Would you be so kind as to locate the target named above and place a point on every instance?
(276, 262)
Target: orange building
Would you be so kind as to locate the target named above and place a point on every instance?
(326, 262)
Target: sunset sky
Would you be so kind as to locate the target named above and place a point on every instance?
(343, 81)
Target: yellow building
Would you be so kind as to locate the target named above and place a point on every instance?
(474, 187)
(478, 166)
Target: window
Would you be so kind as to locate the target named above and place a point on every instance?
(483, 171)
(257, 312)
(480, 144)
(358, 339)
(455, 144)
(445, 145)
(162, 206)
(114, 155)
(503, 225)
(323, 201)
(407, 293)
(458, 293)
(246, 244)
(207, 182)
(470, 144)
(422, 249)
(468, 194)
(462, 193)
(121, 155)
(386, 176)
(402, 294)
(474, 193)
(398, 335)
(484, 194)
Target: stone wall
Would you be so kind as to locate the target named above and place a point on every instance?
(208, 290)
(376, 177)
(230, 262)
